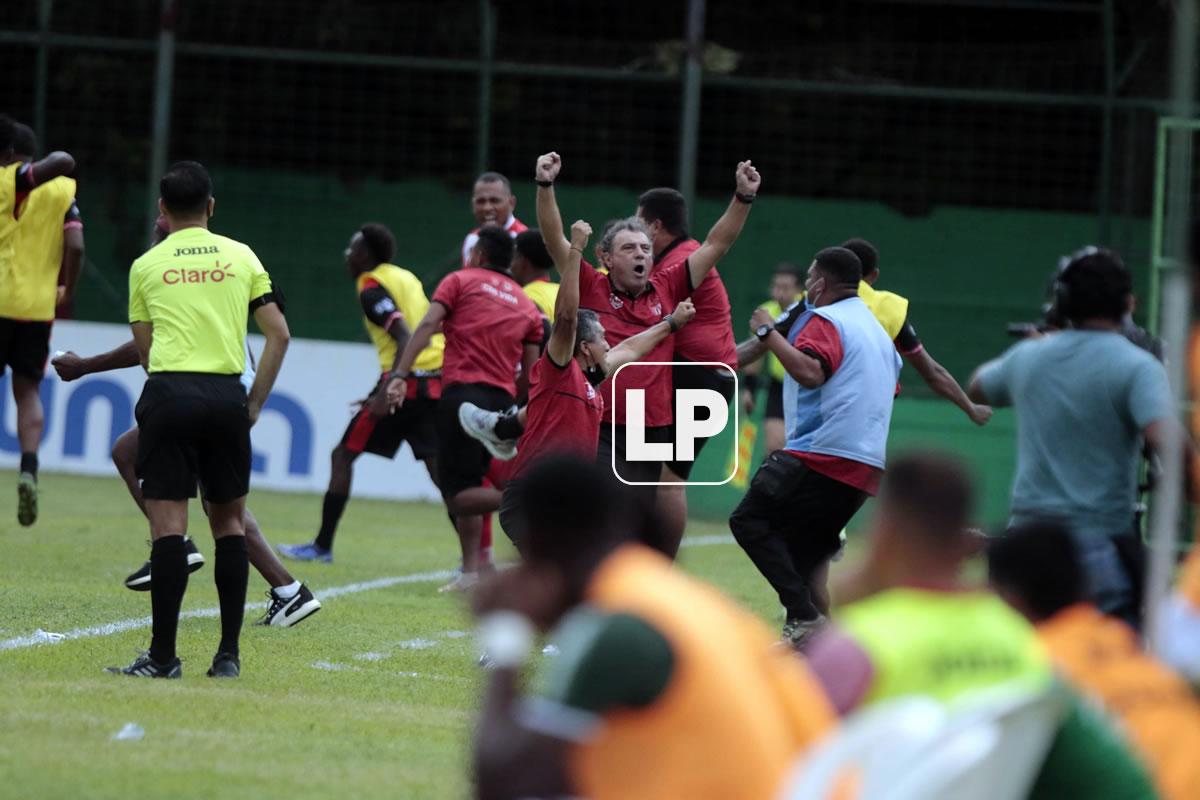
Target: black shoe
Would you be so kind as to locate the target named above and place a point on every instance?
(146, 667)
(799, 633)
(139, 581)
(284, 613)
(225, 665)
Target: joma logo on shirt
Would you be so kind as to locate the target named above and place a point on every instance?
(220, 273)
(196, 251)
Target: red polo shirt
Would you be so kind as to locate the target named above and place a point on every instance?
(709, 336)
(563, 414)
(623, 316)
(488, 322)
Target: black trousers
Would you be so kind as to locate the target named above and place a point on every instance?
(789, 524)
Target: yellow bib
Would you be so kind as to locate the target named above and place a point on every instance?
(890, 309)
(38, 252)
(543, 294)
(409, 295)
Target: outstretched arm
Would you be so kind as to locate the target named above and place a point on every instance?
(941, 381)
(419, 340)
(70, 366)
(548, 216)
(726, 230)
(639, 345)
(561, 347)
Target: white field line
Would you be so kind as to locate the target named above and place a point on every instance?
(133, 623)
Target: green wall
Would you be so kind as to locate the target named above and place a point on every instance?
(967, 272)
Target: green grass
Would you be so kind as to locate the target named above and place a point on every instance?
(385, 720)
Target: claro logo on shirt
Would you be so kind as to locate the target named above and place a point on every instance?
(699, 414)
(219, 273)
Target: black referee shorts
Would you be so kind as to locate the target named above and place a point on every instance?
(463, 461)
(694, 376)
(193, 427)
(24, 346)
(414, 422)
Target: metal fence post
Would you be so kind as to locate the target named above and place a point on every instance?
(689, 122)
(164, 71)
(487, 58)
(1176, 299)
(42, 74)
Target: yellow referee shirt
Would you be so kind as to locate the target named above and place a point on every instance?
(195, 287)
(8, 226)
(543, 293)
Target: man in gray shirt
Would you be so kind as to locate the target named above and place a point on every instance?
(1086, 399)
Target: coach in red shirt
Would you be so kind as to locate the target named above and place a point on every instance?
(630, 299)
(492, 330)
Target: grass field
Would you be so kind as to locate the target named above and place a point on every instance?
(374, 696)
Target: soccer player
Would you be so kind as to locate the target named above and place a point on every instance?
(707, 341)
(491, 329)
(29, 283)
(925, 630)
(531, 267)
(892, 312)
(1081, 429)
(787, 287)
(632, 297)
(392, 301)
(564, 409)
(841, 378)
(492, 203)
(289, 601)
(189, 298)
(1036, 569)
(663, 689)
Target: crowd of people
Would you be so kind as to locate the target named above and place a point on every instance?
(502, 383)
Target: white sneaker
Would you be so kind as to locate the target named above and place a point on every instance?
(480, 425)
(284, 613)
(464, 582)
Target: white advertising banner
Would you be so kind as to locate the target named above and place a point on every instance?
(312, 403)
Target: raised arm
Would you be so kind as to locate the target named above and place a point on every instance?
(70, 366)
(561, 347)
(548, 216)
(639, 345)
(274, 327)
(54, 165)
(726, 230)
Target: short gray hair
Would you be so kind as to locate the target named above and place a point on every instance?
(633, 224)
(587, 326)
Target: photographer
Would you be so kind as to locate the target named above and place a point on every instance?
(1086, 398)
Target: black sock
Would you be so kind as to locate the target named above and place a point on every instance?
(231, 572)
(509, 427)
(331, 512)
(168, 582)
(29, 463)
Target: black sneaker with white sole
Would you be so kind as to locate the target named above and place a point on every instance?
(286, 612)
(139, 581)
(225, 665)
(146, 667)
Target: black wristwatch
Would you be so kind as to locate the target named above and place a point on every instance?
(763, 331)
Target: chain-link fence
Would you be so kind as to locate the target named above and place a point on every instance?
(317, 114)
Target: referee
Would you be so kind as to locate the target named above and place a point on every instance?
(189, 297)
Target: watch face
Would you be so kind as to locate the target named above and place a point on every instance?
(763, 330)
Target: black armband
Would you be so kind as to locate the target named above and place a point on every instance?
(259, 302)
(545, 184)
(670, 320)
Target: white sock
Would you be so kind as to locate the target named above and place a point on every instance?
(287, 592)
